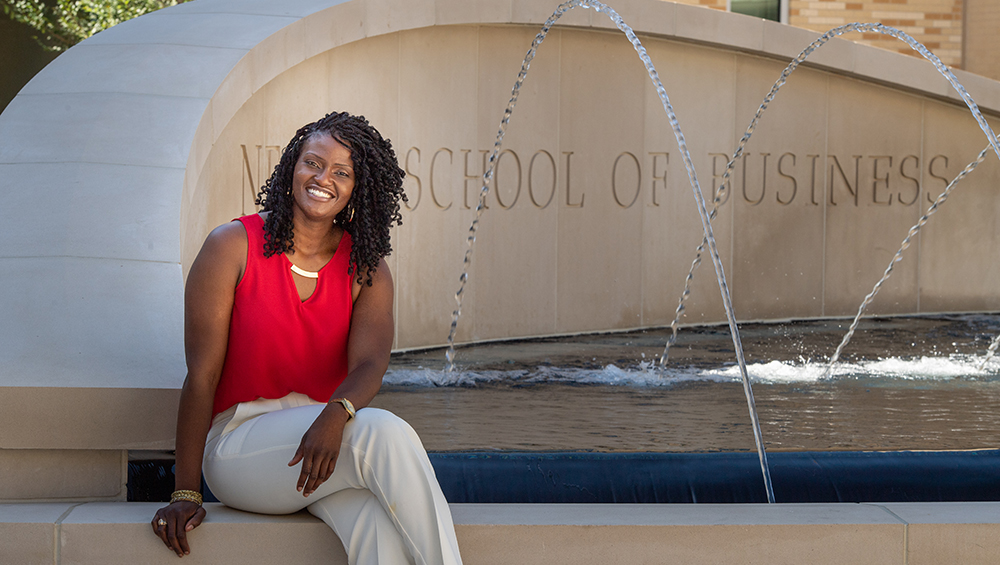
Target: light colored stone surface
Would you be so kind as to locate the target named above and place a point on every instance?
(739, 31)
(65, 418)
(786, 42)
(182, 70)
(672, 230)
(955, 245)
(777, 190)
(864, 231)
(108, 144)
(95, 532)
(536, 13)
(599, 242)
(674, 514)
(63, 475)
(233, 29)
(28, 532)
(99, 127)
(940, 533)
(134, 192)
(519, 234)
(430, 254)
(950, 532)
(106, 334)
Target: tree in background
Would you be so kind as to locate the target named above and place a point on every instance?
(64, 23)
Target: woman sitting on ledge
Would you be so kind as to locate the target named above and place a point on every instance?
(288, 328)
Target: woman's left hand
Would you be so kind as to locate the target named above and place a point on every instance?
(319, 449)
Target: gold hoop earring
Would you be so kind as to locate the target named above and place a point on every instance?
(351, 217)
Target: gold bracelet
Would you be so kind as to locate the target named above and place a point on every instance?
(186, 495)
(347, 406)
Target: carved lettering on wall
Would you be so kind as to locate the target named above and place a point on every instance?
(895, 180)
(413, 201)
(434, 197)
(472, 176)
(914, 180)
(619, 199)
(763, 180)
(886, 198)
(933, 173)
(852, 189)
(531, 178)
(812, 191)
(658, 177)
(496, 180)
(783, 174)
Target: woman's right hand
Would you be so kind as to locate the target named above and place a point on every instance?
(181, 517)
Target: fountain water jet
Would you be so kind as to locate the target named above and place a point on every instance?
(706, 215)
(695, 186)
(899, 256)
(837, 31)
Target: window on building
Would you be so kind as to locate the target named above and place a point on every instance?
(766, 9)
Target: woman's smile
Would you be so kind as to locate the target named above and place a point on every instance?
(324, 177)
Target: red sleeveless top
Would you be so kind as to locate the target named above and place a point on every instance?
(279, 343)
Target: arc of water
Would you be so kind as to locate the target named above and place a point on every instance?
(706, 224)
(692, 177)
(802, 56)
(488, 175)
(990, 352)
(899, 255)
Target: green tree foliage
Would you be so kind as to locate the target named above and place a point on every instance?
(64, 23)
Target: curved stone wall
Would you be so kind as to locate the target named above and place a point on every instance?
(120, 156)
(591, 225)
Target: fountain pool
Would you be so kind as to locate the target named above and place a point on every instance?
(908, 415)
(906, 384)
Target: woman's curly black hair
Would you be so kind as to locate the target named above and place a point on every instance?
(374, 203)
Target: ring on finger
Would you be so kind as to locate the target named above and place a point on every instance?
(161, 522)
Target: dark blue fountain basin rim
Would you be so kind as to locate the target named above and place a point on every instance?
(827, 476)
(575, 477)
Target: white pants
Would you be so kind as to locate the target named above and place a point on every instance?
(383, 499)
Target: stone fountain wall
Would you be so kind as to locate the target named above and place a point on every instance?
(591, 224)
(119, 157)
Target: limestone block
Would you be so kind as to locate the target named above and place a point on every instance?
(114, 128)
(517, 247)
(67, 418)
(232, 30)
(786, 42)
(123, 216)
(431, 150)
(29, 532)
(62, 475)
(672, 227)
(119, 323)
(96, 531)
(747, 533)
(736, 30)
(777, 194)
(179, 70)
(949, 532)
(956, 273)
(870, 202)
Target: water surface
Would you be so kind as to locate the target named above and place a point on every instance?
(905, 384)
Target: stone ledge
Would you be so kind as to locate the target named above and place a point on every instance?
(911, 533)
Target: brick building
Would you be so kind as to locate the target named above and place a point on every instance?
(963, 33)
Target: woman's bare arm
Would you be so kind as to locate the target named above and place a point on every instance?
(208, 306)
(368, 349)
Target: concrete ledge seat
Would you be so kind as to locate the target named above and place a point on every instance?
(910, 533)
